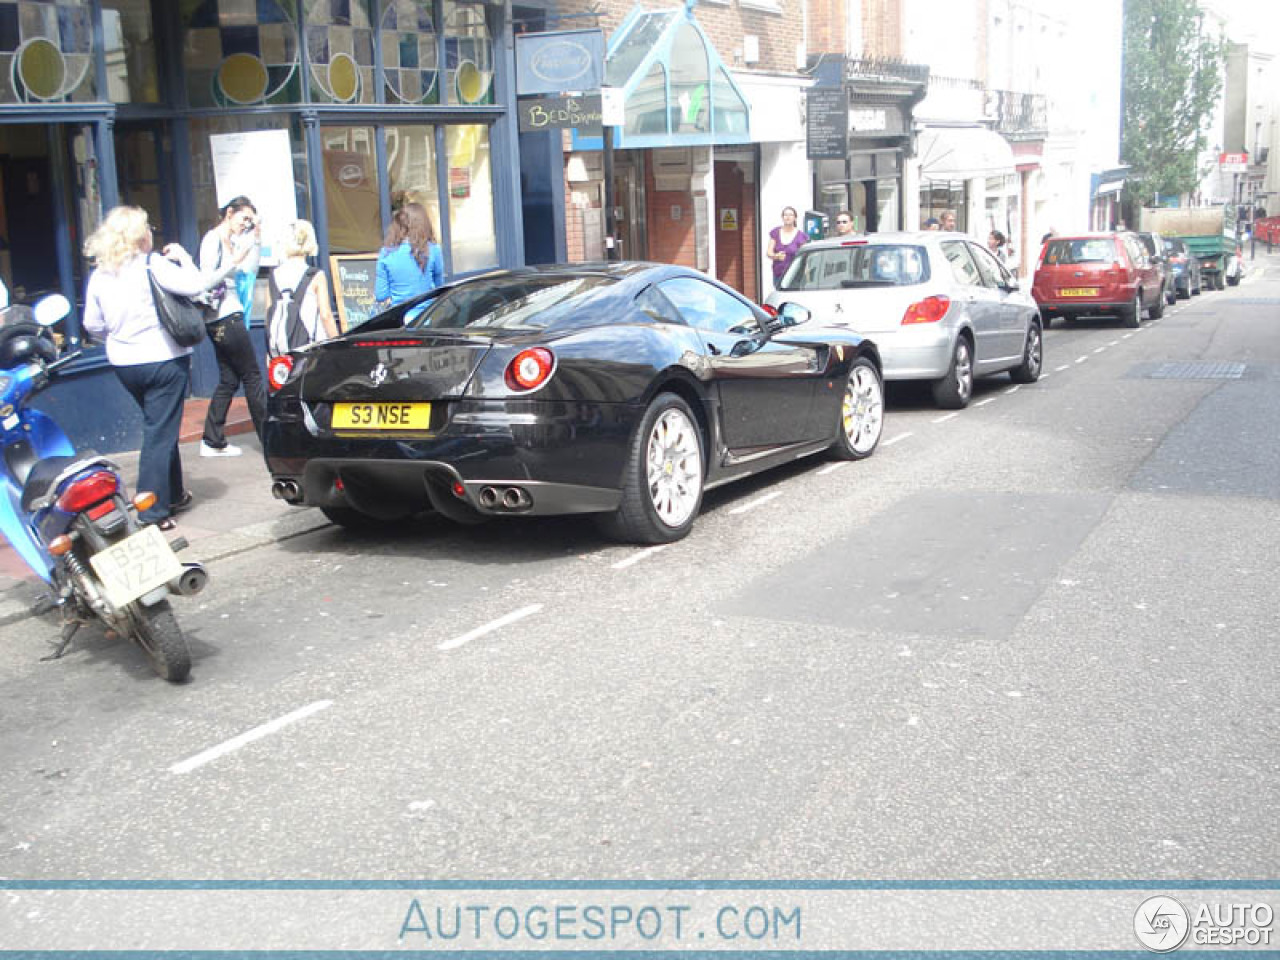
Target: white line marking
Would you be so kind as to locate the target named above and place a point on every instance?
(1126, 336)
(755, 503)
(1141, 330)
(1045, 376)
(895, 438)
(983, 403)
(257, 733)
(1065, 366)
(638, 556)
(1081, 359)
(498, 624)
(1113, 343)
(832, 467)
(949, 416)
(1099, 349)
(1014, 389)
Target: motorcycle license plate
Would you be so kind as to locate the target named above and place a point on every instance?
(136, 565)
(382, 416)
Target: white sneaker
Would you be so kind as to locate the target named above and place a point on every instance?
(230, 450)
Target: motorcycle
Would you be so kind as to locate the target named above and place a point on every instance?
(68, 514)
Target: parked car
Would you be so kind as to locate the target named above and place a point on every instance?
(1153, 243)
(1098, 273)
(622, 390)
(938, 306)
(1185, 266)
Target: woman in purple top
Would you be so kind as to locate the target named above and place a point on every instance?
(784, 242)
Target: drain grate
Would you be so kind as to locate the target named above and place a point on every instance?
(1198, 371)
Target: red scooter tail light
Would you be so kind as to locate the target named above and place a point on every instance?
(928, 310)
(278, 371)
(530, 368)
(94, 488)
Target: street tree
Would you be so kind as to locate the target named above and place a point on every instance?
(1173, 76)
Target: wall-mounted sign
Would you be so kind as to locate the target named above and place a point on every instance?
(868, 119)
(559, 62)
(826, 122)
(728, 218)
(559, 113)
(1233, 162)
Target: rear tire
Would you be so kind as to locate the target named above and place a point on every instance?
(861, 420)
(1132, 316)
(1233, 281)
(953, 391)
(663, 478)
(1171, 297)
(1157, 308)
(1032, 357)
(156, 630)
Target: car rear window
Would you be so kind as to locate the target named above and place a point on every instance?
(512, 302)
(1087, 250)
(863, 265)
(1175, 246)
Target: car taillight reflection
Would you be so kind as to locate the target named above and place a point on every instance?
(928, 310)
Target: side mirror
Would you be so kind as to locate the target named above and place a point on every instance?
(793, 314)
(49, 310)
(1012, 284)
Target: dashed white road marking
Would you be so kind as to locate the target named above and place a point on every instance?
(257, 733)
(1141, 330)
(1014, 389)
(1065, 366)
(983, 403)
(1113, 343)
(1099, 349)
(1126, 336)
(638, 556)
(832, 467)
(895, 438)
(949, 416)
(1081, 359)
(498, 624)
(1045, 376)
(755, 503)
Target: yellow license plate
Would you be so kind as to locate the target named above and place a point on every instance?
(136, 565)
(381, 416)
(1080, 292)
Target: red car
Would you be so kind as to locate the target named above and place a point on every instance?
(1098, 273)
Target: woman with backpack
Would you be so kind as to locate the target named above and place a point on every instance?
(300, 312)
(410, 262)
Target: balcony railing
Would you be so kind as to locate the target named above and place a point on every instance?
(1018, 114)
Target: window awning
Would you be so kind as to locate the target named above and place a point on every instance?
(962, 153)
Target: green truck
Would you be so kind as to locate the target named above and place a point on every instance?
(1209, 232)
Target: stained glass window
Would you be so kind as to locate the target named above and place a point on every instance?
(340, 51)
(46, 52)
(410, 55)
(241, 52)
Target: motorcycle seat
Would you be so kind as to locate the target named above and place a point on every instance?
(45, 472)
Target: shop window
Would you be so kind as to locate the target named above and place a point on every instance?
(474, 241)
(690, 82)
(411, 168)
(340, 51)
(410, 55)
(351, 190)
(46, 52)
(468, 53)
(238, 53)
(130, 52)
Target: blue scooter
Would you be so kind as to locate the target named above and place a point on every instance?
(68, 516)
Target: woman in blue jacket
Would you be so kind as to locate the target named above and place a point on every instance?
(410, 262)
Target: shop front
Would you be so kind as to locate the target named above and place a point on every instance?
(333, 112)
(971, 171)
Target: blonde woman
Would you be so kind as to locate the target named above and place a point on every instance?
(152, 368)
(296, 281)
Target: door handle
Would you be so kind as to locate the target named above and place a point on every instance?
(713, 349)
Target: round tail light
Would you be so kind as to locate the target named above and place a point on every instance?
(530, 368)
(278, 371)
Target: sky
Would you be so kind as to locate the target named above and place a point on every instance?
(1250, 20)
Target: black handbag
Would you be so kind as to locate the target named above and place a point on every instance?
(182, 317)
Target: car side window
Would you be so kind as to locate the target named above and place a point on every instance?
(988, 266)
(962, 266)
(1136, 253)
(710, 308)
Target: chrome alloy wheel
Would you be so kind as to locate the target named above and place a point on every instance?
(675, 468)
(1035, 346)
(964, 369)
(863, 410)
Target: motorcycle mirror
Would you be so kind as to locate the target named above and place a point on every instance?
(49, 310)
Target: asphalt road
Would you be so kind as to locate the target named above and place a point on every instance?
(1031, 640)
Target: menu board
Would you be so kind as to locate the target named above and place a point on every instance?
(827, 122)
(354, 276)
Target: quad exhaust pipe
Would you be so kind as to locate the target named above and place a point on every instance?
(505, 498)
(287, 490)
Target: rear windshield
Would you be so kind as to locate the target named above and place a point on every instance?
(864, 265)
(512, 303)
(1090, 250)
(1175, 246)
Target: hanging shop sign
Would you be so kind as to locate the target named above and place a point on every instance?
(559, 62)
(560, 113)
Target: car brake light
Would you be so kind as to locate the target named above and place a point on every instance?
(853, 243)
(278, 371)
(530, 368)
(928, 310)
(92, 489)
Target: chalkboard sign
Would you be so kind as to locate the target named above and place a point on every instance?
(827, 126)
(354, 276)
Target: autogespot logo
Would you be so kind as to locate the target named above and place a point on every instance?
(1161, 924)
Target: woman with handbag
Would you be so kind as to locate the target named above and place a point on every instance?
(227, 250)
(120, 307)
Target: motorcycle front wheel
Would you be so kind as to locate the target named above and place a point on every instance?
(156, 631)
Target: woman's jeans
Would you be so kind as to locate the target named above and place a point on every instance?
(237, 364)
(159, 389)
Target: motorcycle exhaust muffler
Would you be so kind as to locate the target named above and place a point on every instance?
(190, 581)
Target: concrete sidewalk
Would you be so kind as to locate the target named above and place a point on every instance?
(233, 509)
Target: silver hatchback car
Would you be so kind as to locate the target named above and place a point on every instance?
(938, 306)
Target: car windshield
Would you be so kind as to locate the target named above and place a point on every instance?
(1175, 246)
(520, 302)
(860, 265)
(1085, 250)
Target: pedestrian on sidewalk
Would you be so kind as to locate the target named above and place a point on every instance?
(229, 248)
(410, 262)
(300, 312)
(148, 363)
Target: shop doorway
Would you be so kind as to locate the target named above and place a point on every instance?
(735, 224)
(145, 175)
(629, 206)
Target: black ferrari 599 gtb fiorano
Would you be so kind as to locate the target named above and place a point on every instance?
(623, 390)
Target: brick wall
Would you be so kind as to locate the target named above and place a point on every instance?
(670, 240)
(882, 29)
(826, 27)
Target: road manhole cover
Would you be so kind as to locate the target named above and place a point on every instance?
(1198, 371)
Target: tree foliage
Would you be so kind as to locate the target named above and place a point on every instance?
(1173, 76)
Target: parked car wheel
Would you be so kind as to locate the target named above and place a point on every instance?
(662, 487)
(861, 413)
(953, 391)
(1032, 358)
(1132, 316)
(1171, 296)
(1183, 293)
(1157, 308)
